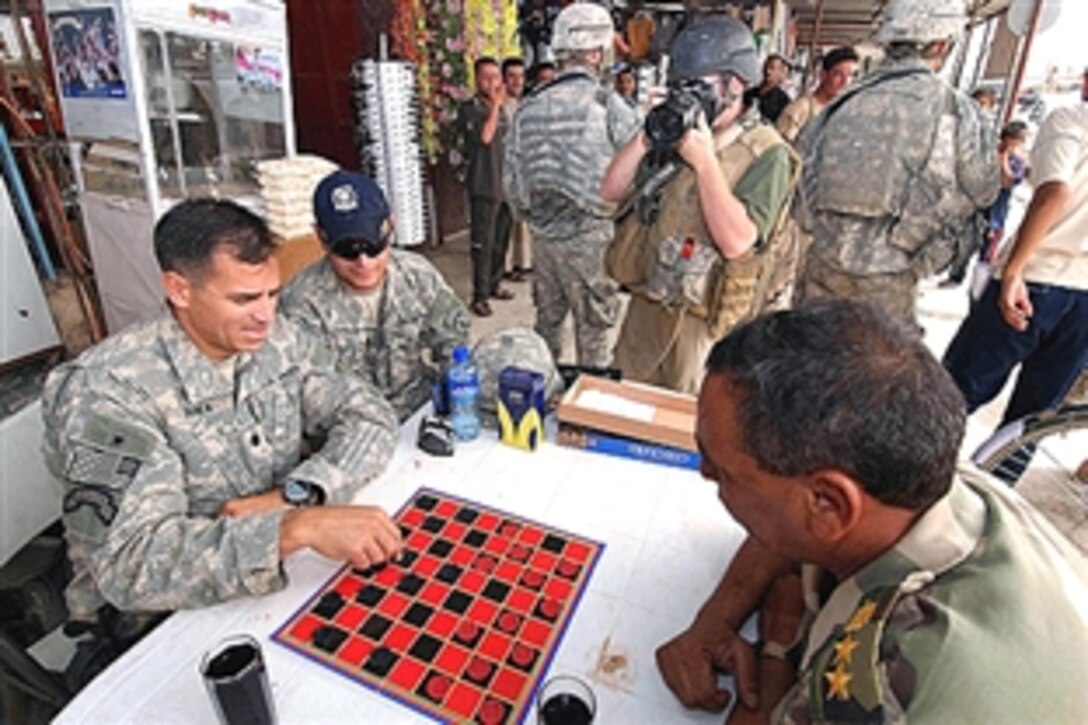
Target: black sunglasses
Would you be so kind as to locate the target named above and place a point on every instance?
(351, 249)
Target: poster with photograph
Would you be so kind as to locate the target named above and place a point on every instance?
(87, 53)
(260, 68)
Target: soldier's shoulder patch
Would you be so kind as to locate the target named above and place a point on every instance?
(107, 452)
(99, 500)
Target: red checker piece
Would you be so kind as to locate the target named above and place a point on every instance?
(520, 600)
(522, 656)
(393, 604)
(467, 633)
(446, 508)
(492, 712)
(482, 611)
(495, 645)
(463, 699)
(407, 673)
(486, 522)
(441, 624)
(479, 670)
(412, 517)
(532, 579)
(399, 637)
(558, 589)
(485, 563)
(507, 572)
(531, 536)
(509, 528)
(472, 581)
(567, 569)
(509, 684)
(577, 551)
(451, 659)
(549, 608)
(304, 629)
(437, 686)
(508, 622)
(426, 565)
(536, 632)
(461, 555)
(355, 651)
(434, 593)
(544, 560)
(519, 553)
(351, 616)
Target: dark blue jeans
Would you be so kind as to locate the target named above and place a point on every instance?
(1052, 351)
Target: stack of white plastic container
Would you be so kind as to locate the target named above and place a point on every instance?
(287, 189)
(388, 127)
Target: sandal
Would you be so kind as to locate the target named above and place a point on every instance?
(481, 308)
(502, 294)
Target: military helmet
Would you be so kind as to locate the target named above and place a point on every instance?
(922, 21)
(583, 26)
(517, 346)
(717, 44)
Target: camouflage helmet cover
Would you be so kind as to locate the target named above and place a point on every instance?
(716, 44)
(517, 346)
(583, 26)
(922, 21)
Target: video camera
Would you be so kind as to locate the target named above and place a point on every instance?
(667, 122)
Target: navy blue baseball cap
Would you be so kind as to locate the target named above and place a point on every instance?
(349, 205)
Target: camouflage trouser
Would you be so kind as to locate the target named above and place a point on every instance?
(895, 293)
(657, 347)
(569, 276)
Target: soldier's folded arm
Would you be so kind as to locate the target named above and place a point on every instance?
(978, 169)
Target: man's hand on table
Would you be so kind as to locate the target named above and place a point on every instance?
(690, 663)
(360, 535)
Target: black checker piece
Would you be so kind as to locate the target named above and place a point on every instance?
(369, 571)
(369, 595)
(418, 614)
(467, 515)
(426, 502)
(380, 661)
(432, 524)
(410, 584)
(475, 538)
(457, 602)
(405, 531)
(439, 548)
(375, 627)
(553, 543)
(329, 604)
(448, 573)
(329, 638)
(496, 590)
(425, 648)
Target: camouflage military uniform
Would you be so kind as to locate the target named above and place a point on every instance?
(418, 317)
(557, 150)
(894, 168)
(149, 439)
(664, 345)
(978, 614)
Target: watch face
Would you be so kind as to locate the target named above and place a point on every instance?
(297, 492)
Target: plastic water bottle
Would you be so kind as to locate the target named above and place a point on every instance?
(464, 391)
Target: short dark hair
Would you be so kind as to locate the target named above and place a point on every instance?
(842, 54)
(512, 62)
(773, 57)
(191, 232)
(482, 61)
(1017, 130)
(839, 384)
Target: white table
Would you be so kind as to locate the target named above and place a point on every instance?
(667, 537)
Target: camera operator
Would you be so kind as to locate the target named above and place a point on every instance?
(707, 185)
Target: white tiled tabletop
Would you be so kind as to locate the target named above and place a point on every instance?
(667, 541)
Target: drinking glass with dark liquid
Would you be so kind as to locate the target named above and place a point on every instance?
(566, 700)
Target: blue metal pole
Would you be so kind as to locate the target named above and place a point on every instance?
(24, 208)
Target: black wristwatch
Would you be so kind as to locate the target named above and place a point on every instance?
(302, 493)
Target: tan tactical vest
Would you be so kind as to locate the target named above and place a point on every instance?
(723, 292)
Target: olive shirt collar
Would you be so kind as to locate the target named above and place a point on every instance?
(945, 535)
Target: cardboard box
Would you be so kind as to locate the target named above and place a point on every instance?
(631, 411)
(575, 436)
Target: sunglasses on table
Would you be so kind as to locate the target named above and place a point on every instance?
(351, 249)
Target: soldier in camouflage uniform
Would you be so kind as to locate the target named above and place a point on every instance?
(179, 442)
(387, 314)
(715, 215)
(562, 138)
(924, 596)
(895, 168)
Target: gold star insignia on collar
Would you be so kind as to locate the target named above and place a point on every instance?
(838, 682)
(844, 650)
(862, 616)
